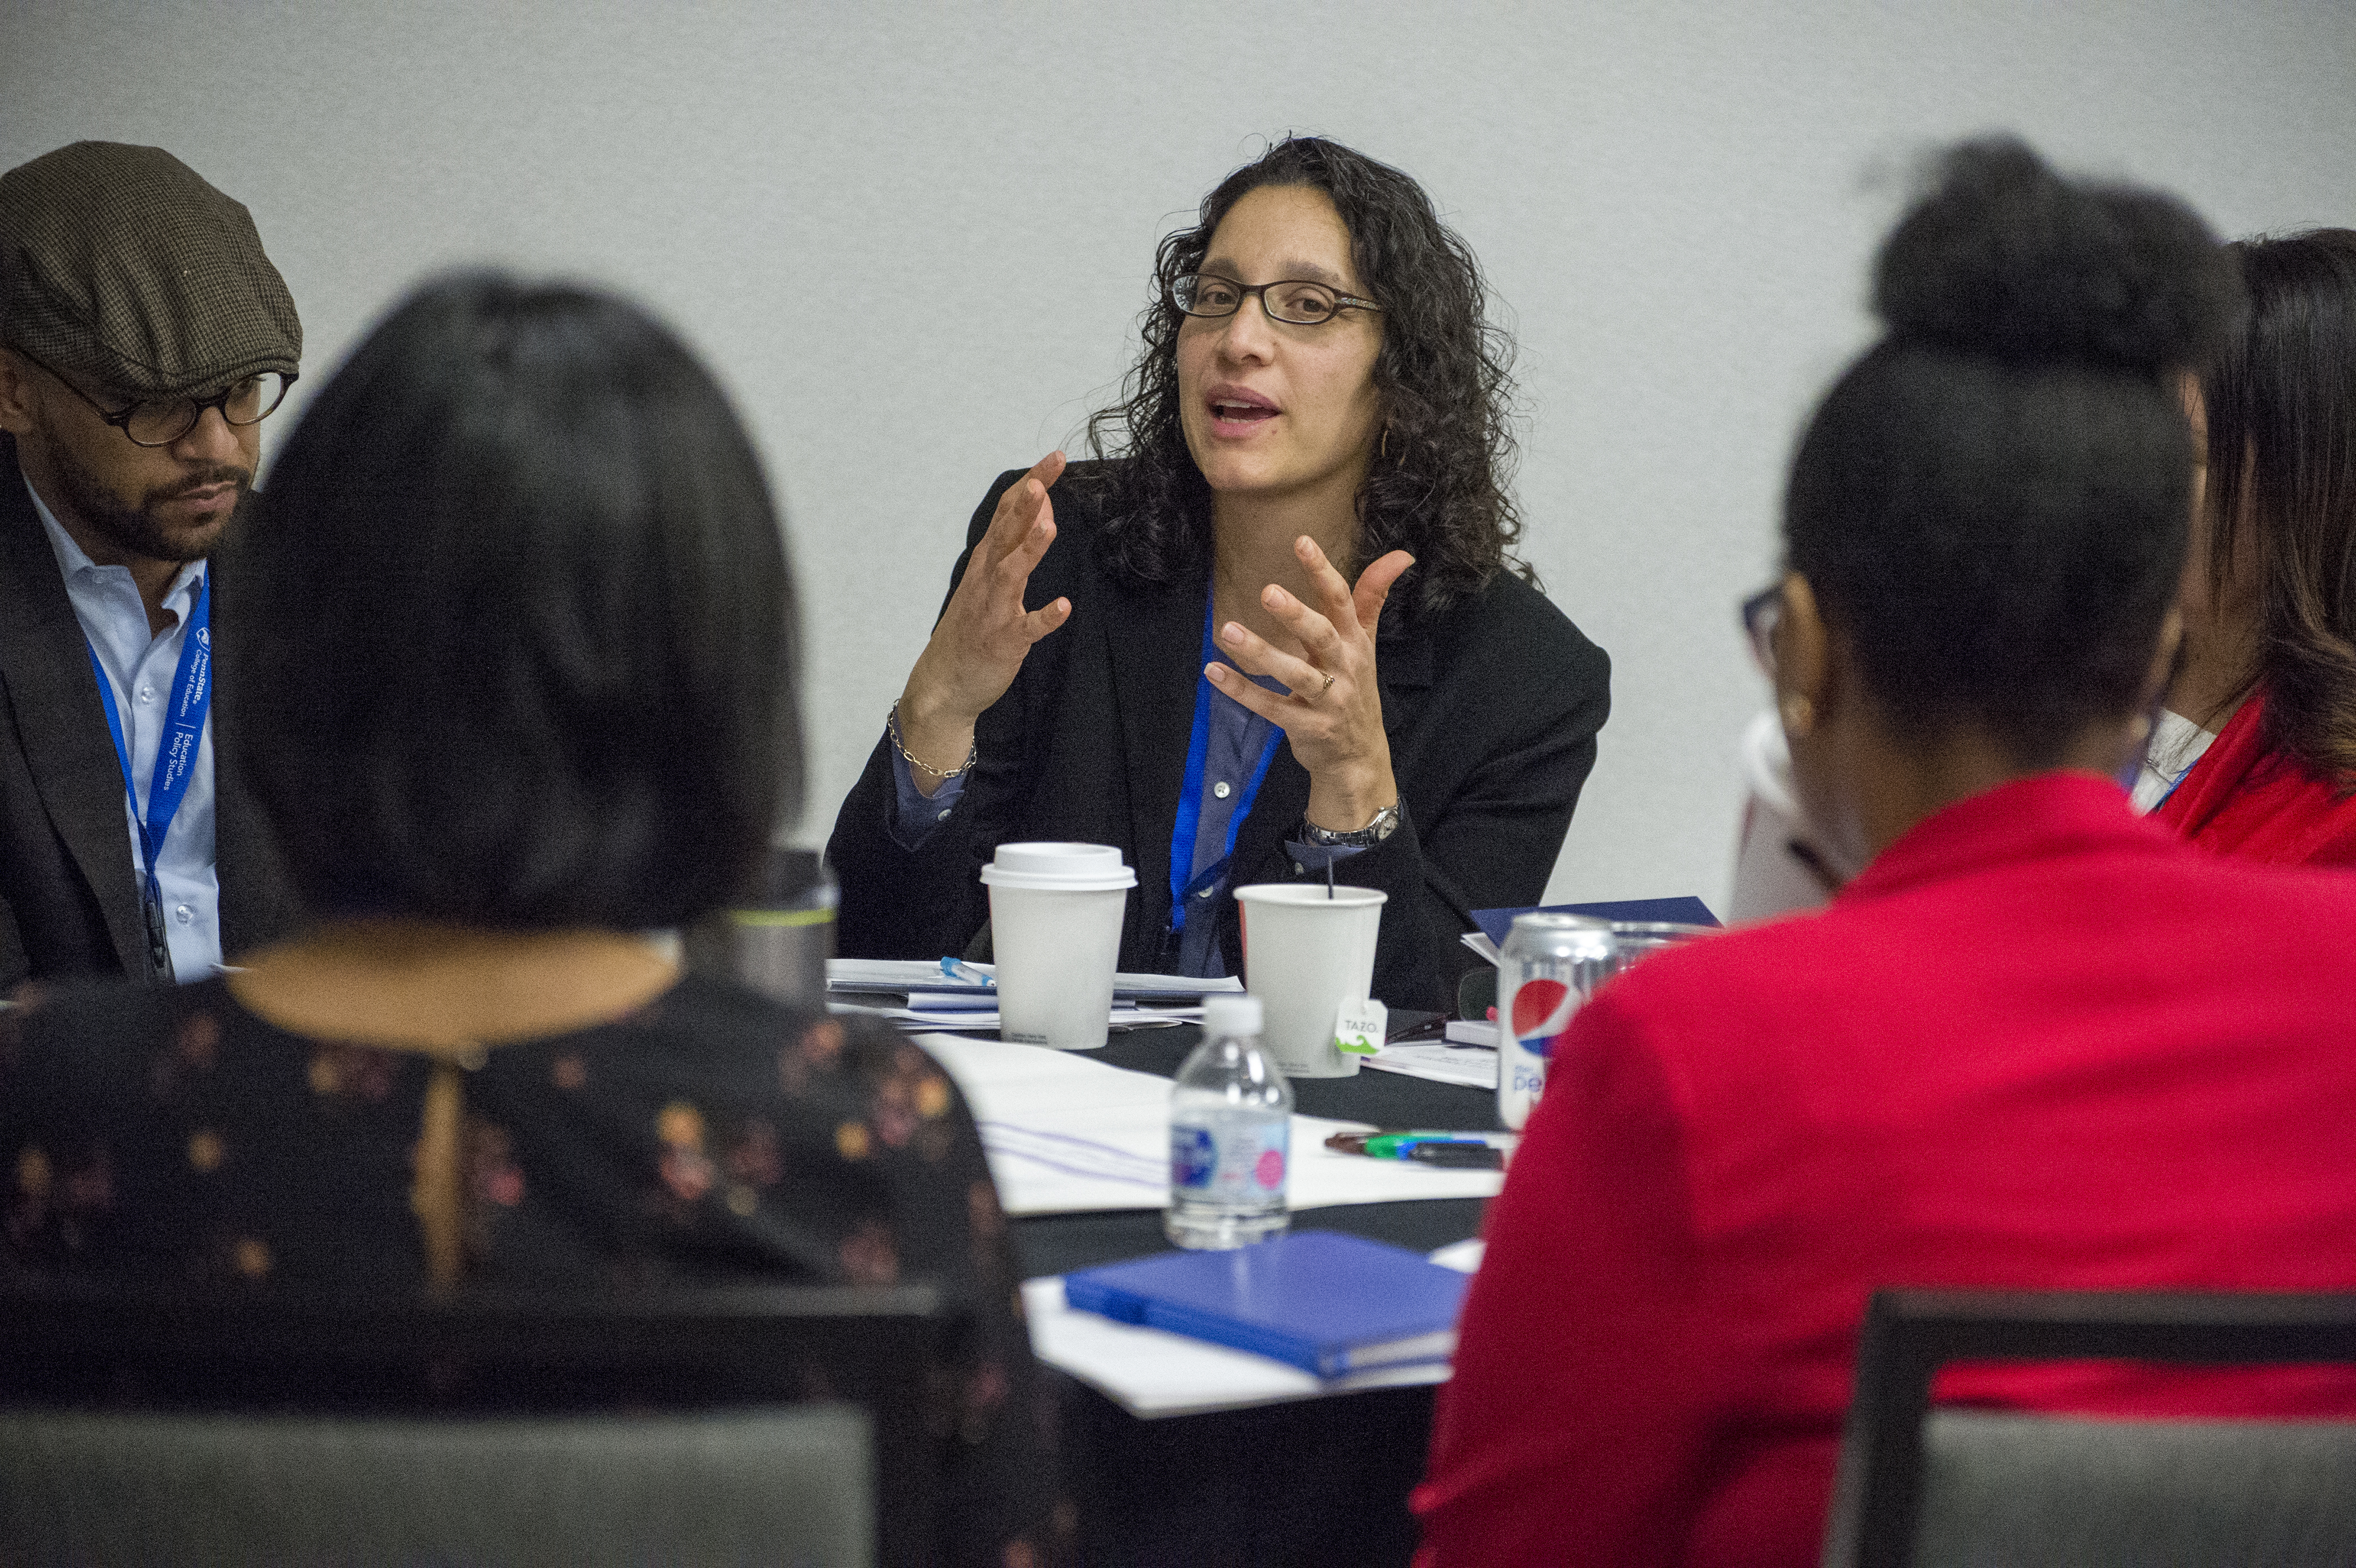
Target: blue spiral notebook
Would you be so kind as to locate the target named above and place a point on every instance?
(1326, 1303)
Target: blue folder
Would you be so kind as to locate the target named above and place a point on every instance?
(1498, 924)
(1326, 1303)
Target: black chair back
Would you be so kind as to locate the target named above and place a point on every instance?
(1917, 1488)
(727, 1425)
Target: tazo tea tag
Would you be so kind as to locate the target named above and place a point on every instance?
(1359, 1028)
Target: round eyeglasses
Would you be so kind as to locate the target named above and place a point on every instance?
(159, 422)
(1295, 301)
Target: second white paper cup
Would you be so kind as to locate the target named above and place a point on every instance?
(1055, 923)
(1304, 955)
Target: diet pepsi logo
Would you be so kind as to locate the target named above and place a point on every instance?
(1542, 1013)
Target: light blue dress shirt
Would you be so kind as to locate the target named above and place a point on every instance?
(140, 665)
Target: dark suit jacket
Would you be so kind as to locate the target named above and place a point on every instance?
(68, 896)
(1492, 708)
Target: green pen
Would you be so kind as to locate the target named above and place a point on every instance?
(1394, 1145)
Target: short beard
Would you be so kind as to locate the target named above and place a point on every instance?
(134, 530)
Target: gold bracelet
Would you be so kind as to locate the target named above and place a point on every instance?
(892, 728)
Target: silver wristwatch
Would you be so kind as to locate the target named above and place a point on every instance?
(1386, 823)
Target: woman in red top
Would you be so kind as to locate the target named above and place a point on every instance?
(2270, 600)
(2036, 1042)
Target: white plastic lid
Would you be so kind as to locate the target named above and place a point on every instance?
(1059, 868)
(1229, 1013)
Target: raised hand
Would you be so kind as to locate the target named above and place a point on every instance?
(1334, 716)
(983, 636)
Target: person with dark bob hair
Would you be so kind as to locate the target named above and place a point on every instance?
(572, 702)
(2269, 600)
(521, 634)
(1321, 414)
(2036, 1042)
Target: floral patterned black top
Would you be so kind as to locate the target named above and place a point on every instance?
(171, 1134)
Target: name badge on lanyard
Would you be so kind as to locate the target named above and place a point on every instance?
(176, 761)
(1185, 889)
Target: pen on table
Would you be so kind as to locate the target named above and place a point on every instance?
(1455, 1154)
(965, 973)
(1393, 1145)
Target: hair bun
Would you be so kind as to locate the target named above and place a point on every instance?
(2007, 258)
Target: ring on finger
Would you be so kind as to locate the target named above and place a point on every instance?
(1328, 685)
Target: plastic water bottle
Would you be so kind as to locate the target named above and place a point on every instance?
(1230, 1134)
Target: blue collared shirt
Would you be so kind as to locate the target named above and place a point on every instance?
(1236, 738)
(140, 664)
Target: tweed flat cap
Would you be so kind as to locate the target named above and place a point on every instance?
(120, 266)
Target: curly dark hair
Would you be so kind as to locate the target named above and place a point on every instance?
(1443, 377)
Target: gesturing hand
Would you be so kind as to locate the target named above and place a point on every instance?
(984, 634)
(1335, 715)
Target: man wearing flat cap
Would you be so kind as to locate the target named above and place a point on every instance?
(144, 337)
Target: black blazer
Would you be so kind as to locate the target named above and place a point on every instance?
(1492, 708)
(69, 898)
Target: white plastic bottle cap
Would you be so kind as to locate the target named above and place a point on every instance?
(1226, 1014)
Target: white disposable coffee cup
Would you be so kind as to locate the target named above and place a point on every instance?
(1305, 953)
(1055, 932)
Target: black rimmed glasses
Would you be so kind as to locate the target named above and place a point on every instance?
(1762, 612)
(1295, 301)
(159, 422)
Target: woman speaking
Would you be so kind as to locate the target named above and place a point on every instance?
(1275, 627)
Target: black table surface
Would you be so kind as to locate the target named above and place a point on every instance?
(1313, 1481)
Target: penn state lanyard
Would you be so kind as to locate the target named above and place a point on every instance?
(176, 760)
(1183, 889)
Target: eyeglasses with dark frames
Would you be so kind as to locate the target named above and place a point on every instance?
(1295, 301)
(1762, 612)
(159, 422)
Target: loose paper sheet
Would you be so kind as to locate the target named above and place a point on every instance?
(1467, 1067)
(1069, 1135)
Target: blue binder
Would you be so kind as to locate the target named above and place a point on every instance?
(1323, 1302)
(1498, 924)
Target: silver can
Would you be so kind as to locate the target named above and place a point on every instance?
(1550, 964)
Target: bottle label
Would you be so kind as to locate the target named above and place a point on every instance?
(1242, 1162)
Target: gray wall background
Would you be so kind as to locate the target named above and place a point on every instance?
(914, 239)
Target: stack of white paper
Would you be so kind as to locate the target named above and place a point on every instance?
(1124, 1016)
(927, 974)
(1151, 1372)
(936, 997)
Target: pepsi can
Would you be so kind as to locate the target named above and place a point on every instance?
(1550, 964)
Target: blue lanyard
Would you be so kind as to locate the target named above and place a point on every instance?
(1184, 890)
(176, 757)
